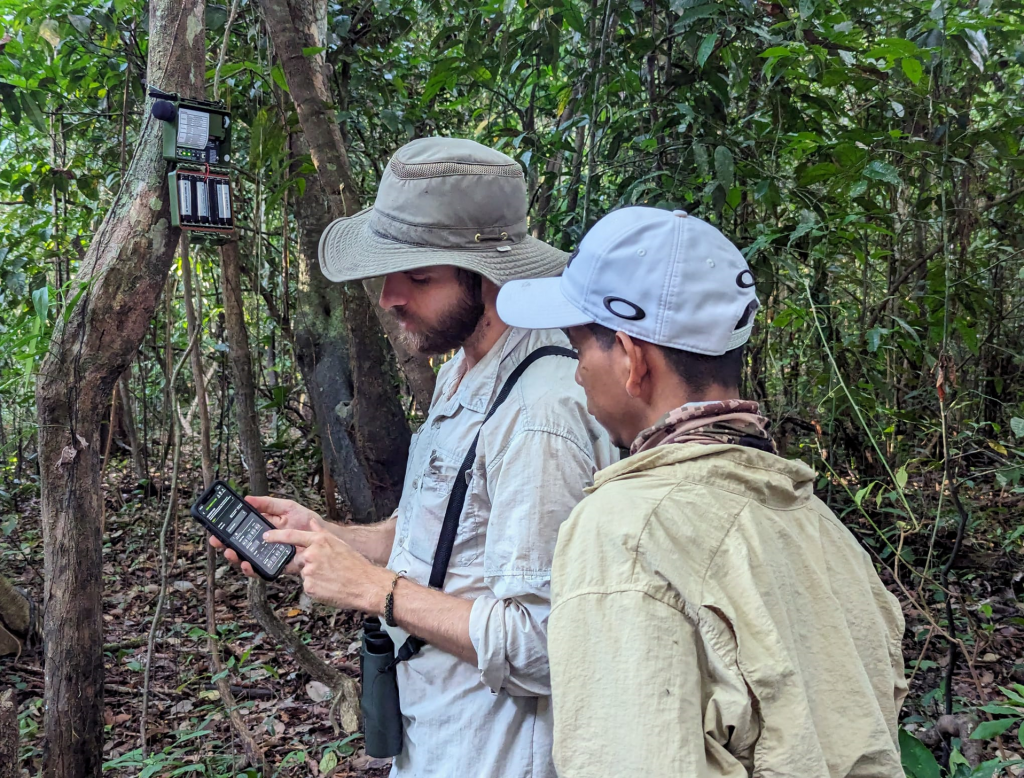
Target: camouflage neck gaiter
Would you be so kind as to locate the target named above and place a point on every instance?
(738, 422)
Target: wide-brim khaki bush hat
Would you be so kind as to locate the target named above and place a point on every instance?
(442, 201)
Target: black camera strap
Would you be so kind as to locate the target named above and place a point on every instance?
(457, 499)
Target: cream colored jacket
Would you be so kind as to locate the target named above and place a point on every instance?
(711, 617)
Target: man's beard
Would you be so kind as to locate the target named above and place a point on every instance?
(452, 329)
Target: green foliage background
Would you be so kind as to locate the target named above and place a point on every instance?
(865, 156)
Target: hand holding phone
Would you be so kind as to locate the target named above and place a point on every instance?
(240, 527)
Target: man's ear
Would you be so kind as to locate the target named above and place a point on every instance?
(639, 370)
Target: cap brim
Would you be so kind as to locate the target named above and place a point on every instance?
(538, 304)
(350, 250)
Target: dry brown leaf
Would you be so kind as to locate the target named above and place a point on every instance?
(67, 454)
(317, 691)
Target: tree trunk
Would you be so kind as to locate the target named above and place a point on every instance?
(241, 370)
(192, 323)
(382, 435)
(125, 269)
(552, 171)
(128, 417)
(321, 351)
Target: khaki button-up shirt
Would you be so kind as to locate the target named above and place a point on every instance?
(712, 618)
(534, 459)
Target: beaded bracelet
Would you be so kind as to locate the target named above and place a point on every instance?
(389, 602)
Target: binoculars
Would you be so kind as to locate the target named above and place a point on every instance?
(382, 713)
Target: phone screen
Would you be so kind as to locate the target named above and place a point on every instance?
(244, 528)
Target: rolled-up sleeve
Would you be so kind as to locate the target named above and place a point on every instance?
(533, 488)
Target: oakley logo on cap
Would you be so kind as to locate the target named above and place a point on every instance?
(741, 283)
(615, 306)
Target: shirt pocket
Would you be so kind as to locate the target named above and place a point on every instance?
(434, 492)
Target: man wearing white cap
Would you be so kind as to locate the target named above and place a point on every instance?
(502, 458)
(710, 616)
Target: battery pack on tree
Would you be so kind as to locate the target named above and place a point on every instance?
(200, 200)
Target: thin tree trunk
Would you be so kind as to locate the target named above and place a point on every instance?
(128, 416)
(382, 434)
(249, 746)
(252, 453)
(125, 268)
(295, 26)
(552, 171)
(192, 323)
(241, 370)
(322, 354)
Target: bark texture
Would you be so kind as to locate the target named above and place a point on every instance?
(241, 370)
(124, 270)
(321, 350)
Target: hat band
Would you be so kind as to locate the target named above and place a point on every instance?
(444, 236)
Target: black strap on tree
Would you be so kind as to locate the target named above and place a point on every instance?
(457, 499)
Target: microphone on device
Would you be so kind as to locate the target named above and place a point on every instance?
(164, 111)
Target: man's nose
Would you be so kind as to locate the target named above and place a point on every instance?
(392, 294)
(576, 375)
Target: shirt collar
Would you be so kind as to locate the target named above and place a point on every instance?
(480, 383)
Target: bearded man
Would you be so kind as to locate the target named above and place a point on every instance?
(447, 230)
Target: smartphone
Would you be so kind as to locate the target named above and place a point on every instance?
(240, 527)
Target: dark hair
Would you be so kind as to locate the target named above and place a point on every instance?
(698, 371)
(471, 283)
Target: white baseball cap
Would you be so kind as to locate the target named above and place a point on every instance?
(660, 276)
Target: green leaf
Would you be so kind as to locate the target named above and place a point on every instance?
(969, 334)
(41, 302)
(216, 17)
(882, 171)
(725, 167)
(1017, 425)
(987, 730)
(700, 12)
(863, 493)
(277, 73)
(328, 762)
(312, 51)
(81, 23)
(776, 51)
(11, 103)
(707, 46)
(918, 761)
(190, 768)
(390, 119)
(572, 16)
(874, 338)
(819, 172)
(49, 30)
(901, 477)
(912, 68)
(32, 111)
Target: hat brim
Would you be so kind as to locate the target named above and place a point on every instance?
(538, 304)
(350, 250)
